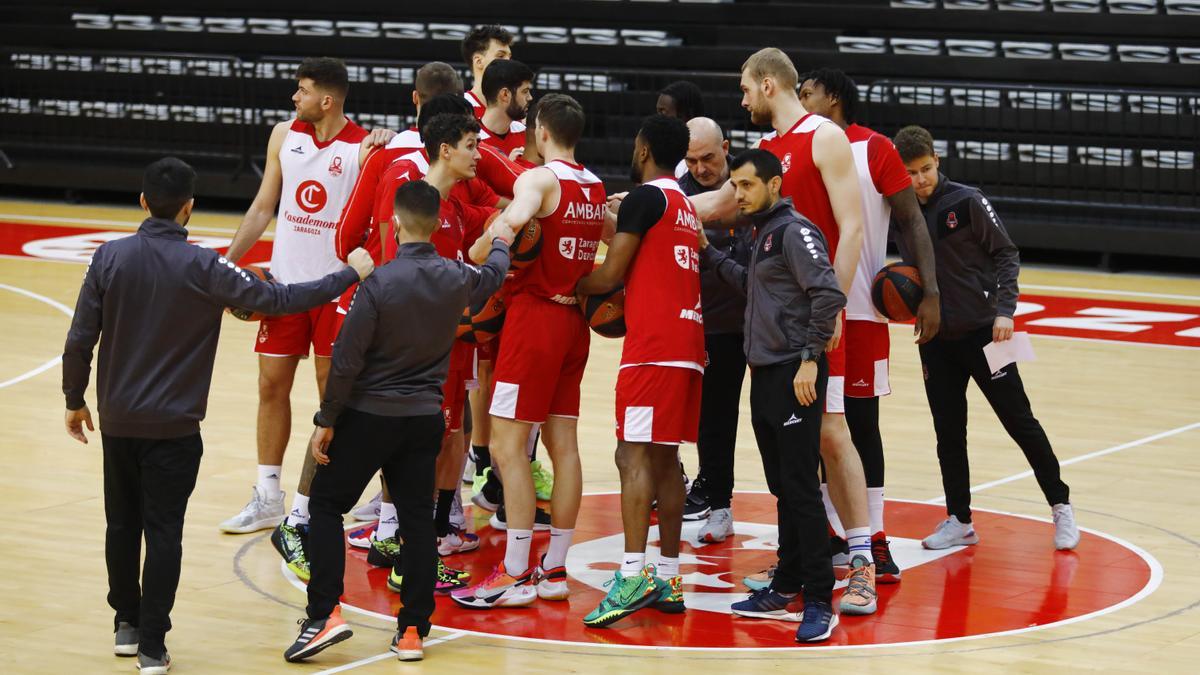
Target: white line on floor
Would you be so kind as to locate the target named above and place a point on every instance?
(386, 655)
(52, 362)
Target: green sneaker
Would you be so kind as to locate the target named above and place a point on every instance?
(626, 595)
(289, 541)
(543, 480)
(384, 552)
(670, 594)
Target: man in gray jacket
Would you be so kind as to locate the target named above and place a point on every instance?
(793, 299)
(383, 409)
(157, 301)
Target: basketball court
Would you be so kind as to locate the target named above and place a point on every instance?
(1115, 385)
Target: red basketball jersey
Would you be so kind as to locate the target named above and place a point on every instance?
(662, 287)
(802, 179)
(497, 171)
(570, 237)
(513, 137)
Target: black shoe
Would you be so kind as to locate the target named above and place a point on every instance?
(696, 507)
(886, 570)
(541, 520)
(317, 634)
(384, 552)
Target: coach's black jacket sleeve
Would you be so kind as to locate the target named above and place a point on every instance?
(725, 267)
(232, 286)
(995, 240)
(349, 354)
(482, 282)
(84, 333)
(809, 264)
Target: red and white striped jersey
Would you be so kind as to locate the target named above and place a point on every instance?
(477, 106)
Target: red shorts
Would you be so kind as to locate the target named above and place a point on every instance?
(454, 389)
(867, 344)
(540, 363)
(488, 350)
(834, 392)
(291, 334)
(658, 404)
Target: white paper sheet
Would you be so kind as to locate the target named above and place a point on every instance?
(1017, 349)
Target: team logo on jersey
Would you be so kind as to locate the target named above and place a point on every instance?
(587, 192)
(951, 220)
(567, 246)
(335, 167)
(683, 257)
(786, 162)
(768, 242)
(311, 196)
(299, 149)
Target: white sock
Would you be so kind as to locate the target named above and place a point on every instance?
(299, 514)
(667, 567)
(831, 513)
(516, 553)
(858, 539)
(560, 541)
(268, 480)
(632, 563)
(875, 509)
(388, 522)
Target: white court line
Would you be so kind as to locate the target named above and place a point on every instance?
(387, 655)
(52, 362)
(1106, 291)
(1080, 458)
(98, 221)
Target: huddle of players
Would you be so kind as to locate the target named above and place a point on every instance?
(809, 164)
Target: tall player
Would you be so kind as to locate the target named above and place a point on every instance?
(480, 47)
(312, 163)
(819, 176)
(542, 358)
(887, 192)
(508, 90)
(662, 363)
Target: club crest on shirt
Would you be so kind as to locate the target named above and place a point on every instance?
(786, 162)
(951, 220)
(335, 167)
(768, 242)
(566, 247)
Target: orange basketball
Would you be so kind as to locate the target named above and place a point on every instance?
(527, 245)
(484, 324)
(897, 291)
(245, 314)
(605, 312)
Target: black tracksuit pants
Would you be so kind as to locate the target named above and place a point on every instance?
(720, 398)
(405, 448)
(789, 440)
(147, 483)
(949, 364)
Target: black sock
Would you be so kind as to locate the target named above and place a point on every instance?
(483, 457)
(533, 453)
(441, 518)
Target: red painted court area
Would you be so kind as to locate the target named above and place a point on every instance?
(1012, 580)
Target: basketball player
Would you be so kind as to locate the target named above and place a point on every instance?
(977, 267)
(542, 357)
(887, 193)
(662, 362)
(480, 47)
(508, 90)
(793, 301)
(680, 99)
(819, 176)
(312, 163)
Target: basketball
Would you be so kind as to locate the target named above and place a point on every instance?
(245, 314)
(484, 324)
(527, 245)
(605, 312)
(897, 292)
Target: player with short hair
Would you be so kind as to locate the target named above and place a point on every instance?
(480, 47)
(662, 363)
(681, 99)
(508, 90)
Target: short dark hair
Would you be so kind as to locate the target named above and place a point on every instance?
(327, 73)
(689, 101)
(418, 204)
(440, 105)
(837, 84)
(504, 74)
(766, 165)
(914, 142)
(167, 185)
(478, 39)
(563, 118)
(448, 128)
(435, 78)
(667, 138)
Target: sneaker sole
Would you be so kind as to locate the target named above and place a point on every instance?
(858, 610)
(154, 670)
(264, 524)
(338, 634)
(670, 607)
(365, 517)
(483, 503)
(467, 547)
(702, 515)
(505, 600)
(408, 654)
(301, 574)
(711, 538)
(823, 636)
(552, 591)
(887, 578)
(126, 650)
(964, 541)
(360, 544)
(618, 614)
(778, 615)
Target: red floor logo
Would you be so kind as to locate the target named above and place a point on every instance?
(1013, 581)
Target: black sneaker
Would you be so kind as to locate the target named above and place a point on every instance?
(696, 507)
(384, 552)
(489, 492)
(541, 520)
(290, 542)
(317, 634)
(886, 570)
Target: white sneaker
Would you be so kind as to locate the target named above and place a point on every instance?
(260, 513)
(457, 541)
(718, 527)
(369, 511)
(1066, 532)
(951, 532)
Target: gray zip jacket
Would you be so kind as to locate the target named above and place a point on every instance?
(157, 301)
(792, 293)
(393, 352)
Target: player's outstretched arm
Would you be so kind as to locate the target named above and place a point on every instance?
(835, 160)
(906, 212)
(262, 209)
(535, 193)
(616, 261)
(718, 205)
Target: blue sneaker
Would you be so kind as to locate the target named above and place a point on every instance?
(766, 603)
(818, 622)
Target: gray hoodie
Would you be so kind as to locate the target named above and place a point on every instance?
(791, 290)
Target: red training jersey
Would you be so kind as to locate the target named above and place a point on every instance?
(511, 139)
(477, 106)
(802, 179)
(497, 171)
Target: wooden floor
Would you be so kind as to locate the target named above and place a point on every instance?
(236, 612)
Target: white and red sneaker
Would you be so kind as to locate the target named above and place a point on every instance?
(499, 589)
(457, 540)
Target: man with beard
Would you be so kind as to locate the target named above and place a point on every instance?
(508, 89)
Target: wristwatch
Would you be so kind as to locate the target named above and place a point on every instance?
(806, 354)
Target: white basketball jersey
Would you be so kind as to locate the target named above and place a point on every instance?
(317, 180)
